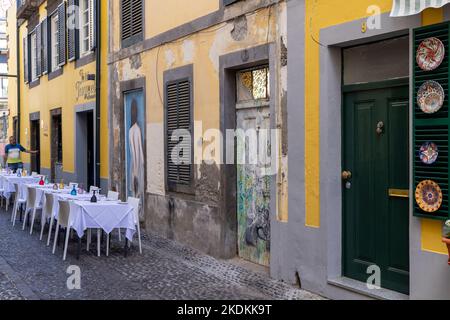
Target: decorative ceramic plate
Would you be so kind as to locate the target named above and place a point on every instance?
(431, 97)
(430, 54)
(429, 196)
(429, 153)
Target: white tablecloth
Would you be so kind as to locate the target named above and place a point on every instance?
(106, 215)
(8, 182)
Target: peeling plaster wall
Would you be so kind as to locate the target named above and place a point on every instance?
(198, 219)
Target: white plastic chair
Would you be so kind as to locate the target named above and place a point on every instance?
(114, 196)
(33, 204)
(63, 221)
(47, 213)
(20, 200)
(135, 203)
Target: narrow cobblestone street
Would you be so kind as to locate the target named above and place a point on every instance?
(166, 270)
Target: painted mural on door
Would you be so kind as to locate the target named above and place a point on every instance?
(253, 186)
(135, 144)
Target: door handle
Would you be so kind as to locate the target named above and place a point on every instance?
(346, 175)
(399, 193)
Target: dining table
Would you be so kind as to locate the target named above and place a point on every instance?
(105, 214)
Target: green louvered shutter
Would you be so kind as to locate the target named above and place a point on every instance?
(432, 127)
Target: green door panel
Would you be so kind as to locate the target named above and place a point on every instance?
(376, 221)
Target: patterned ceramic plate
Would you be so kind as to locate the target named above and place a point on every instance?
(431, 97)
(429, 196)
(430, 54)
(429, 153)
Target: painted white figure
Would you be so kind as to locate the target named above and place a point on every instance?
(137, 154)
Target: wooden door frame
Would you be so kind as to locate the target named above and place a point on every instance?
(399, 82)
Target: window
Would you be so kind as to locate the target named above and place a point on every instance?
(179, 144)
(54, 29)
(34, 70)
(132, 22)
(85, 26)
(253, 84)
(3, 87)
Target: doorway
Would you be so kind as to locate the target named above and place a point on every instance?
(35, 144)
(56, 149)
(85, 165)
(376, 183)
(253, 155)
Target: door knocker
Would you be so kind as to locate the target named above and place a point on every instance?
(380, 128)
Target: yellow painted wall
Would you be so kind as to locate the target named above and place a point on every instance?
(61, 92)
(322, 14)
(161, 16)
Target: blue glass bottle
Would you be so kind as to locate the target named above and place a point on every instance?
(74, 191)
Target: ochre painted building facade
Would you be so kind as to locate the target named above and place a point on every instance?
(199, 49)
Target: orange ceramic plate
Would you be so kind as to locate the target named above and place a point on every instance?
(429, 196)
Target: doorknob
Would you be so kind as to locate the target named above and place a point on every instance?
(346, 175)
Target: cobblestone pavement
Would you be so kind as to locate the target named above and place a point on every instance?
(166, 270)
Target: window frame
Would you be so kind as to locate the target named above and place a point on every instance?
(54, 42)
(85, 37)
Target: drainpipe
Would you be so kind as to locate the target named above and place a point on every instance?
(18, 79)
(97, 92)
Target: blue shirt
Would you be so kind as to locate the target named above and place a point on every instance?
(13, 152)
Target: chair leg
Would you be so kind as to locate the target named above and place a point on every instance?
(33, 217)
(43, 223)
(120, 235)
(25, 219)
(56, 237)
(50, 230)
(139, 238)
(98, 242)
(107, 244)
(88, 239)
(14, 214)
(66, 243)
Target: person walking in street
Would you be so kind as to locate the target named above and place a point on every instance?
(12, 154)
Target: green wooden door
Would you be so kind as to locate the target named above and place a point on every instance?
(375, 196)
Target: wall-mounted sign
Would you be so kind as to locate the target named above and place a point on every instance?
(85, 88)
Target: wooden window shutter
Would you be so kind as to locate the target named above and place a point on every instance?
(44, 46)
(62, 34)
(73, 26)
(179, 116)
(26, 60)
(38, 51)
(132, 21)
(92, 25)
(432, 127)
